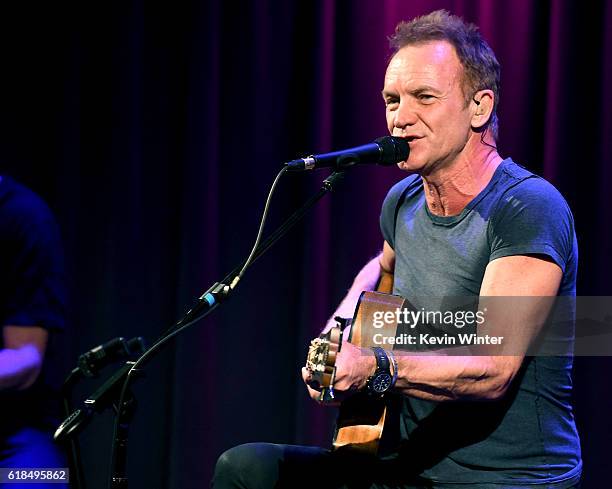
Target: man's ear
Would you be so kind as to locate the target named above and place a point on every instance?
(482, 106)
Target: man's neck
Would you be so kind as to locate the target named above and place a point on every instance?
(449, 189)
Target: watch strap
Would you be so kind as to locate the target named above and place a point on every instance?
(382, 360)
(394, 363)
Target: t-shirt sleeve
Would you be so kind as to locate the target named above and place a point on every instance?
(389, 208)
(533, 218)
(34, 285)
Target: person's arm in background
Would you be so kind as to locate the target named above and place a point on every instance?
(32, 304)
(22, 357)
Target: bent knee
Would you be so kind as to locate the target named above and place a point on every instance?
(250, 465)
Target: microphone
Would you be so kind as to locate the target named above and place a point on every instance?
(385, 151)
(92, 361)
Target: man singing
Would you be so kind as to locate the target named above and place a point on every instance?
(465, 222)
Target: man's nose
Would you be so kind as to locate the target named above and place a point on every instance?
(405, 116)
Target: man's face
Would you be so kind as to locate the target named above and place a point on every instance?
(425, 103)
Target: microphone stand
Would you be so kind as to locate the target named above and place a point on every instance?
(75, 463)
(203, 305)
(217, 293)
(89, 365)
(117, 389)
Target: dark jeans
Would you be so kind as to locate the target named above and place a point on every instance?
(30, 448)
(270, 466)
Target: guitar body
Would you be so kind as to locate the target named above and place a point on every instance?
(362, 418)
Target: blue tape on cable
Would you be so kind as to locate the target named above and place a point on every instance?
(210, 299)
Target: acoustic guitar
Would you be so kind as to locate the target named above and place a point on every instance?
(362, 418)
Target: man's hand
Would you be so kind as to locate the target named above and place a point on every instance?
(353, 367)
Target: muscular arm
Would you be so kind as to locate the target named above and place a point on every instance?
(442, 378)
(22, 356)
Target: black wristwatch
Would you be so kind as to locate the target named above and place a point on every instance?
(381, 381)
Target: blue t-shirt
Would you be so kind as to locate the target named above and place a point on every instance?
(529, 436)
(32, 293)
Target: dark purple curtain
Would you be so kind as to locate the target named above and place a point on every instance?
(154, 132)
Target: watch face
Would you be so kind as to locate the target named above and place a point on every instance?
(381, 383)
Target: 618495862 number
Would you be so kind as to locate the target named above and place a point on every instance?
(17, 475)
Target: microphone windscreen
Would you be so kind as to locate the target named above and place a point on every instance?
(393, 149)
